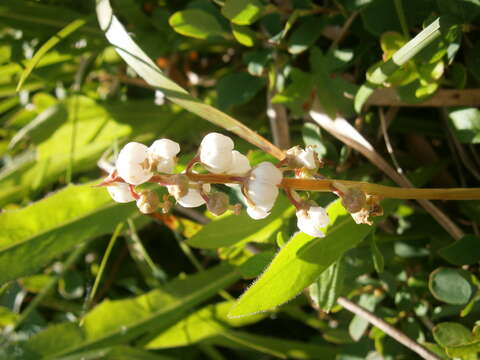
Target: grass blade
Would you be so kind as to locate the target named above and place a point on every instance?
(54, 40)
(146, 68)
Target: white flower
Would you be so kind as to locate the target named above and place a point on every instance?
(261, 189)
(216, 152)
(240, 164)
(299, 158)
(311, 220)
(192, 198)
(162, 154)
(120, 192)
(307, 158)
(133, 164)
(267, 173)
(257, 213)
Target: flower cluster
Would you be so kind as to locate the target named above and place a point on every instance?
(137, 164)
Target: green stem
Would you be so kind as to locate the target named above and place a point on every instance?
(402, 18)
(103, 264)
(157, 273)
(191, 256)
(53, 282)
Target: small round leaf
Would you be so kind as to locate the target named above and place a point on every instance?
(452, 286)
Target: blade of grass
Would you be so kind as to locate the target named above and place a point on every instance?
(149, 71)
(404, 54)
(103, 264)
(54, 40)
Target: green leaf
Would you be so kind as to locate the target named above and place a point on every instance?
(210, 321)
(254, 266)
(242, 12)
(460, 252)
(244, 35)
(237, 89)
(449, 334)
(305, 35)
(195, 23)
(54, 40)
(465, 123)
(33, 236)
(232, 229)
(120, 352)
(359, 325)
(464, 10)
(300, 262)
(149, 71)
(297, 93)
(278, 347)
(119, 321)
(328, 287)
(381, 74)
(452, 286)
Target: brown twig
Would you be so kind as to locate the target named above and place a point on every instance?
(342, 130)
(387, 329)
(442, 98)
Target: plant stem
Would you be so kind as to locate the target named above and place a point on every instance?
(387, 328)
(326, 185)
(402, 18)
(103, 264)
(141, 255)
(46, 290)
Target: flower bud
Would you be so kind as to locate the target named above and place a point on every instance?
(216, 152)
(120, 192)
(257, 213)
(162, 155)
(311, 220)
(218, 203)
(148, 202)
(133, 164)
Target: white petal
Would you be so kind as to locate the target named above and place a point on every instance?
(216, 152)
(312, 220)
(132, 164)
(263, 195)
(166, 166)
(165, 148)
(120, 192)
(257, 213)
(307, 158)
(267, 172)
(240, 164)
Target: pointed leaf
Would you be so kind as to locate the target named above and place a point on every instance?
(300, 262)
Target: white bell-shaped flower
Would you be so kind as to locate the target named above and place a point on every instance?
(216, 152)
(192, 198)
(133, 163)
(240, 164)
(267, 173)
(120, 192)
(261, 189)
(162, 155)
(256, 213)
(312, 220)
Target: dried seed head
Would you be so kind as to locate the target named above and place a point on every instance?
(218, 203)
